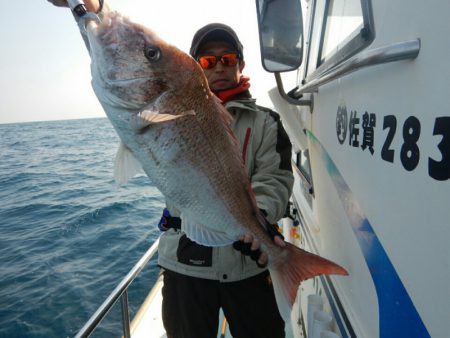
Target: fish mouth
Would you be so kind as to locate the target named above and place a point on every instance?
(106, 31)
(105, 39)
(118, 62)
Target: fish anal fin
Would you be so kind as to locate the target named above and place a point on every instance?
(203, 235)
(125, 165)
(154, 117)
(298, 266)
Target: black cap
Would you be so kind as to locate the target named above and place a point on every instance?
(216, 32)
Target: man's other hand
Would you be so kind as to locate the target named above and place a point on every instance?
(250, 246)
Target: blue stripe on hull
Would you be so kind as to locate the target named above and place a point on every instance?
(397, 313)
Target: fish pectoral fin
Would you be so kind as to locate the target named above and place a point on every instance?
(126, 165)
(153, 117)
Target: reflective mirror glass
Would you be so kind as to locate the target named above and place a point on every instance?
(280, 34)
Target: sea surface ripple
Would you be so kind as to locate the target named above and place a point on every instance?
(69, 234)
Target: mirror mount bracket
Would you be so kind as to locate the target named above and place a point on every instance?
(289, 98)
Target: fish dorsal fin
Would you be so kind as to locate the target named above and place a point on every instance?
(126, 165)
(153, 117)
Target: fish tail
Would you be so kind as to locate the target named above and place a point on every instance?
(289, 273)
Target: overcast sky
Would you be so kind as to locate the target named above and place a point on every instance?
(44, 66)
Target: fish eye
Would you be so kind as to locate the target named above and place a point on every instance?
(152, 53)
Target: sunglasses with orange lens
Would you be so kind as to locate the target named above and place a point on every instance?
(210, 61)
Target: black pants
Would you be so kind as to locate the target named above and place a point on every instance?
(191, 306)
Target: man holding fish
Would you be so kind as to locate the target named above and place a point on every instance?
(222, 163)
(199, 280)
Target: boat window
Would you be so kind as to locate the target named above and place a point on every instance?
(344, 22)
(303, 169)
(303, 164)
(315, 32)
(340, 29)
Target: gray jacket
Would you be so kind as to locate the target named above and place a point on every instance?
(267, 152)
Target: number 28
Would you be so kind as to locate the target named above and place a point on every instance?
(410, 152)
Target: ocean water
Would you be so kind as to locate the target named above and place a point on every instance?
(68, 234)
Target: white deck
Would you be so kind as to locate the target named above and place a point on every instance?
(148, 321)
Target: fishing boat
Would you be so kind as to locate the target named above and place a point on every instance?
(369, 120)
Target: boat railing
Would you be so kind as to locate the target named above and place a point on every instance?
(121, 291)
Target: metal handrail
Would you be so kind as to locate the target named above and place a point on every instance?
(395, 52)
(121, 291)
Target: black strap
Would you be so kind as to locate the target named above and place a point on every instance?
(172, 222)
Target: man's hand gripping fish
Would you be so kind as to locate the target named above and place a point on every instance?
(174, 128)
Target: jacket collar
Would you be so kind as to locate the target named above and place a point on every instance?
(245, 103)
(239, 92)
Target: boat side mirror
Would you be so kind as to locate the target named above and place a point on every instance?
(280, 27)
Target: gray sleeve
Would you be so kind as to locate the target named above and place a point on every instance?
(272, 179)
